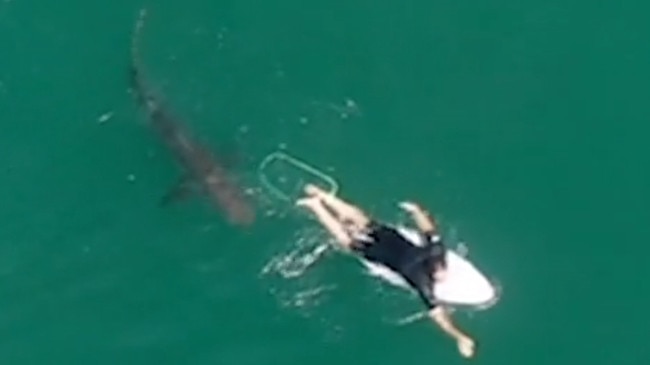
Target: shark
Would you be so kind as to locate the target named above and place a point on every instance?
(203, 172)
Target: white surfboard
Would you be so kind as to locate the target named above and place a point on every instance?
(464, 284)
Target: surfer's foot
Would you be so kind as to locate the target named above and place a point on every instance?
(309, 202)
(344, 211)
(313, 190)
(466, 347)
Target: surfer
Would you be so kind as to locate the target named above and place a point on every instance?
(420, 266)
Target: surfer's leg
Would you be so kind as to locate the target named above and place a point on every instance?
(327, 220)
(344, 211)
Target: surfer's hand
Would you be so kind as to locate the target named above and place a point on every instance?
(466, 346)
(420, 216)
(409, 207)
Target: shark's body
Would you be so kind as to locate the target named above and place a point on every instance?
(202, 169)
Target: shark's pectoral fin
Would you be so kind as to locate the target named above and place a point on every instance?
(180, 191)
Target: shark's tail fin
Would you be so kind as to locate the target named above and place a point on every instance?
(136, 76)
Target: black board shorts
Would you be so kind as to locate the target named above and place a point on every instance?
(385, 245)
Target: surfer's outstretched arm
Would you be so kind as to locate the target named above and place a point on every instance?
(465, 343)
(420, 216)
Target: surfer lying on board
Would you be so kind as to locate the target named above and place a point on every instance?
(420, 266)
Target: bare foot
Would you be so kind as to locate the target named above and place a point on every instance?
(309, 202)
(466, 347)
(313, 190)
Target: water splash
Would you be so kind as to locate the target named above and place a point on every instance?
(411, 318)
(309, 297)
(304, 253)
(300, 287)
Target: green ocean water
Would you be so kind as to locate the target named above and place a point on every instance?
(522, 125)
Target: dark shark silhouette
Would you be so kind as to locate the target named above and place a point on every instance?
(202, 170)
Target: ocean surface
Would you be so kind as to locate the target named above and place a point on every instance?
(523, 126)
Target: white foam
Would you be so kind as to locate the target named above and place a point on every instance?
(295, 262)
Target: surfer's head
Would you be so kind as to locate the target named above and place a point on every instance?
(438, 272)
(438, 255)
(438, 262)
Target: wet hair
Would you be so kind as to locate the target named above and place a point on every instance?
(437, 257)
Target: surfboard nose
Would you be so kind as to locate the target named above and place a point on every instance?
(465, 284)
(484, 292)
